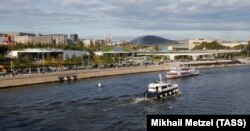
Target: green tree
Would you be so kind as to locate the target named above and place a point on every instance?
(247, 51)
(79, 45)
(156, 48)
(25, 61)
(210, 46)
(4, 49)
(239, 47)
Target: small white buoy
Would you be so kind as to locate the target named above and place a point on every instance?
(99, 84)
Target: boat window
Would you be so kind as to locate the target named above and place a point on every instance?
(152, 87)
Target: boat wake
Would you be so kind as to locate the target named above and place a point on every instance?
(139, 100)
(126, 102)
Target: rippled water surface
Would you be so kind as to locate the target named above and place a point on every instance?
(119, 104)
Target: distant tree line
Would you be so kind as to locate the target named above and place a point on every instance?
(216, 46)
(210, 46)
(246, 50)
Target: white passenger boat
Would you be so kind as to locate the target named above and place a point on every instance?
(187, 71)
(173, 73)
(182, 72)
(160, 89)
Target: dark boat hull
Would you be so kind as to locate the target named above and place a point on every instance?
(158, 95)
(188, 75)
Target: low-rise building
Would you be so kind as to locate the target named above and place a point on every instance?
(36, 53)
(232, 44)
(189, 44)
(193, 42)
(181, 45)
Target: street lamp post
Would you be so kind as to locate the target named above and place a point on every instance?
(247, 53)
(88, 58)
(82, 60)
(43, 62)
(38, 68)
(119, 58)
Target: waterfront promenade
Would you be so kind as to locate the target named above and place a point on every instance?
(21, 80)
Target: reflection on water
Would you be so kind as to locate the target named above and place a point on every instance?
(119, 103)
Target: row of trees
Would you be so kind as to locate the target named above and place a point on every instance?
(216, 46)
(245, 50)
(210, 46)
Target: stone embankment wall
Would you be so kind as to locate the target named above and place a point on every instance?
(21, 80)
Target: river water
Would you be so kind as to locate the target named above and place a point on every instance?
(119, 104)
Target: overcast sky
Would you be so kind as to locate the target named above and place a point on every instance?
(127, 19)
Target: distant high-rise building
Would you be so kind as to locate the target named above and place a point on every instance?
(21, 37)
(8, 39)
(60, 39)
(33, 39)
(73, 37)
(20, 34)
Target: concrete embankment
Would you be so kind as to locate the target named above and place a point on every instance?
(53, 77)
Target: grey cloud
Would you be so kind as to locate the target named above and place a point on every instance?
(28, 15)
(134, 14)
(185, 14)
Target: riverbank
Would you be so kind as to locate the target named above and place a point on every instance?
(221, 66)
(208, 64)
(82, 74)
(22, 80)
